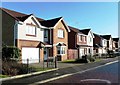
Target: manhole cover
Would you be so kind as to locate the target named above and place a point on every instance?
(95, 81)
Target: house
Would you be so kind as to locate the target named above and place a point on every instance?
(25, 32)
(99, 44)
(79, 45)
(115, 44)
(90, 38)
(55, 38)
(109, 41)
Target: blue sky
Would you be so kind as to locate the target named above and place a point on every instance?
(102, 17)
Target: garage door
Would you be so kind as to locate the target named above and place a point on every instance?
(30, 53)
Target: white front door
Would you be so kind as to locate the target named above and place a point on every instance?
(30, 53)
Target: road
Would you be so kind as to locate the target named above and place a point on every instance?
(74, 74)
(107, 74)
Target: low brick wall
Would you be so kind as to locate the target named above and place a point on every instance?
(72, 54)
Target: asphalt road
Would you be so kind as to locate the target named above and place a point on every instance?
(109, 72)
(107, 75)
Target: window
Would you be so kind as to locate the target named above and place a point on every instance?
(30, 30)
(45, 33)
(84, 38)
(90, 39)
(80, 38)
(60, 33)
(60, 50)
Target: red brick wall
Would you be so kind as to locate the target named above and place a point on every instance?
(56, 40)
(28, 43)
(97, 40)
(72, 54)
(71, 40)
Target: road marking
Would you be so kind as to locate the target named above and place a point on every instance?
(111, 62)
(66, 75)
(99, 80)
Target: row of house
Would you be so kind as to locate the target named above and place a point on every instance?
(39, 39)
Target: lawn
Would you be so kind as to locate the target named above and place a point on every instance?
(3, 76)
(69, 61)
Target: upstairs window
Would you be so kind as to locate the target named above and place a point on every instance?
(60, 33)
(30, 30)
(80, 38)
(90, 39)
(84, 38)
(45, 33)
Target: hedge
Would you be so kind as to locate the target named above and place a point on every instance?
(10, 52)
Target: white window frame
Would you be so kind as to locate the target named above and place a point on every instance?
(84, 38)
(60, 33)
(62, 50)
(80, 38)
(30, 30)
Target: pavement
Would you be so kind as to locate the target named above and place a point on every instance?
(63, 69)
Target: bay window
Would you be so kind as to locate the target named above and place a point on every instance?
(61, 50)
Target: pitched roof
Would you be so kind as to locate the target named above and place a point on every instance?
(75, 29)
(106, 36)
(96, 35)
(50, 23)
(116, 39)
(17, 15)
(85, 31)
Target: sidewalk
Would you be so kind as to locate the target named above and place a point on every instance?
(68, 69)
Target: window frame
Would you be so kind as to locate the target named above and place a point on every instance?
(29, 30)
(61, 50)
(60, 33)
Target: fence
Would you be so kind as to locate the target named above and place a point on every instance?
(17, 66)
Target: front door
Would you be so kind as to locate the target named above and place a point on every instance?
(46, 53)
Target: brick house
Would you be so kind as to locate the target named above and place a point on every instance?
(55, 38)
(99, 44)
(115, 44)
(25, 32)
(79, 45)
(109, 41)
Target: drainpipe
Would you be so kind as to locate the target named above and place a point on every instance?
(15, 31)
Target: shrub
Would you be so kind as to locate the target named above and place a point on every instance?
(10, 52)
(13, 68)
(81, 61)
(90, 58)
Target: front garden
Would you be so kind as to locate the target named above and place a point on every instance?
(12, 66)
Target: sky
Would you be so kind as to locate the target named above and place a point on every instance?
(101, 17)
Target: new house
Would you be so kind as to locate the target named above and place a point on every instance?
(115, 44)
(25, 32)
(99, 44)
(55, 38)
(81, 43)
(38, 39)
(109, 41)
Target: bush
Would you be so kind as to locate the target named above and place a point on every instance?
(13, 68)
(10, 52)
(81, 61)
(90, 58)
